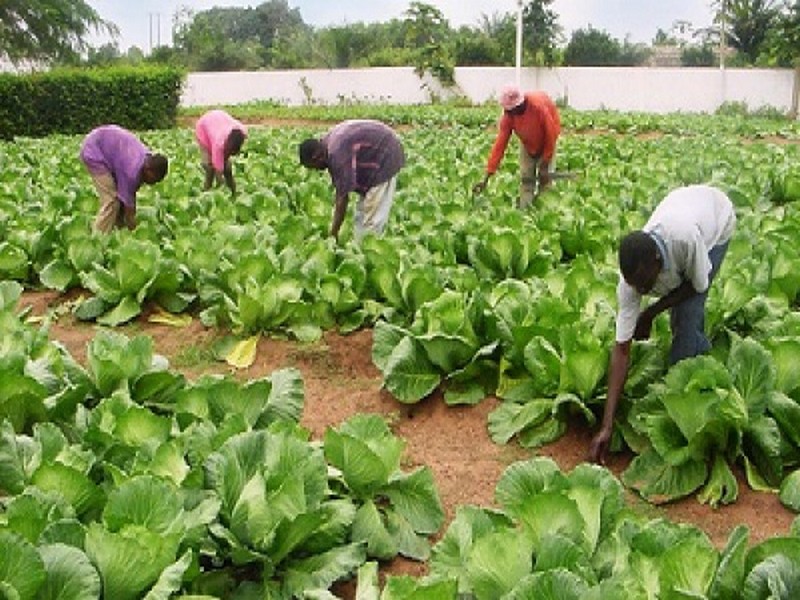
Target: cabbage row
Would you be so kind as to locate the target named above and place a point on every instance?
(465, 294)
(123, 480)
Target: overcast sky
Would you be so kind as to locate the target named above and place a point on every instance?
(150, 21)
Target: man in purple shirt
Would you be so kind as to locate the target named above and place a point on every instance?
(363, 157)
(119, 164)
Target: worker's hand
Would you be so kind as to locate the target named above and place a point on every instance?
(129, 217)
(481, 185)
(598, 449)
(644, 325)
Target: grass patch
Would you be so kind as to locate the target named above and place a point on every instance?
(192, 357)
(316, 356)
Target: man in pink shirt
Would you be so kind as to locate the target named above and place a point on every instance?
(119, 164)
(220, 136)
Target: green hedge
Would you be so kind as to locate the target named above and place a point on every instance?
(74, 101)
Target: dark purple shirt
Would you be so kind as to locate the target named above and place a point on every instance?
(112, 149)
(362, 154)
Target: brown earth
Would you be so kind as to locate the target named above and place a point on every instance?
(341, 380)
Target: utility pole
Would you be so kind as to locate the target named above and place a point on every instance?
(157, 29)
(722, 41)
(519, 43)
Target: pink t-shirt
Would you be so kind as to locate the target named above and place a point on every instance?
(211, 131)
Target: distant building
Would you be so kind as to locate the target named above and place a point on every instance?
(664, 56)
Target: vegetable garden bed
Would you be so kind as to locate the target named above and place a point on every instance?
(205, 256)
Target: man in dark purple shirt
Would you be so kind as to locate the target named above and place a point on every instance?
(119, 164)
(363, 157)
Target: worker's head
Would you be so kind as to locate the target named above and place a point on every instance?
(512, 99)
(154, 168)
(234, 141)
(313, 154)
(639, 261)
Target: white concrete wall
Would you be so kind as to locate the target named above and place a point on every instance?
(655, 90)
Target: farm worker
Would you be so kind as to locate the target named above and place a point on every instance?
(362, 156)
(119, 164)
(219, 136)
(534, 117)
(675, 257)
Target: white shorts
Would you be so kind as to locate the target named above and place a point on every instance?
(372, 209)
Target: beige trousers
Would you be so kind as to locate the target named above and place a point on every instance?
(110, 213)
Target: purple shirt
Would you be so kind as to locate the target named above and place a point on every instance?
(362, 154)
(112, 149)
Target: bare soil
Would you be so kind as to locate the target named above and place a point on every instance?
(341, 380)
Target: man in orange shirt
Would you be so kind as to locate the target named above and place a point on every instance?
(533, 116)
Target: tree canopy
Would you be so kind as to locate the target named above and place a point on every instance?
(748, 23)
(783, 40)
(47, 30)
(273, 35)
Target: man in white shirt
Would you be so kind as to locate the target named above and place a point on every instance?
(674, 257)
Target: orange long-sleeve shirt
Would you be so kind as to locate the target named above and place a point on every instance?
(538, 129)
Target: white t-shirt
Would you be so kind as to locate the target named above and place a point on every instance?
(689, 221)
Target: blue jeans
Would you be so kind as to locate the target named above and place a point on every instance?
(688, 319)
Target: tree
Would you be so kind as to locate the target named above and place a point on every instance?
(632, 55)
(103, 55)
(292, 49)
(784, 47)
(592, 48)
(427, 33)
(47, 30)
(474, 47)
(161, 55)
(698, 56)
(541, 32)
(662, 38)
(388, 45)
(783, 44)
(235, 38)
(747, 24)
(502, 28)
(354, 45)
(207, 42)
(273, 18)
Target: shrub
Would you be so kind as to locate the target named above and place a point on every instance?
(74, 101)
